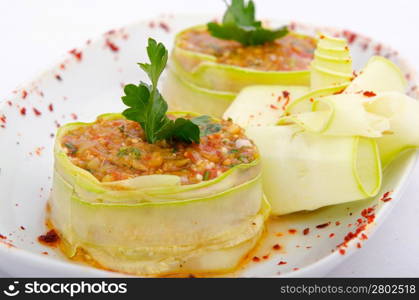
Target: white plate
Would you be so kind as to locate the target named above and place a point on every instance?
(87, 85)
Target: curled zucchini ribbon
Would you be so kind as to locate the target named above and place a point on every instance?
(154, 225)
(197, 82)
(329, 145)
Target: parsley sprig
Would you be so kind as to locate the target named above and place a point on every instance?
(147, 106)
(239, 24)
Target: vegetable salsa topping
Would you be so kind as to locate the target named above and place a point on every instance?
(290, 53)
(117, 149)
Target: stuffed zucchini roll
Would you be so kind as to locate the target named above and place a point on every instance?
(150, 193)
(211, 64)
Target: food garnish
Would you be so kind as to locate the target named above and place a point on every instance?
(148, 107)
(239, 24)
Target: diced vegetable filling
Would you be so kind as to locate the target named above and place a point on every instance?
(290, 53)
(116, 150)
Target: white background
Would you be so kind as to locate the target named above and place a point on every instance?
(35, 34)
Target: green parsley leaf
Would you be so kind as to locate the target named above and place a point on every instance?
(206, 175)
(148, 107)
(121, 129)
(157, 54)
(239, 24)
(123, 151)
(71, 148)
(206, 125)
(180, 129)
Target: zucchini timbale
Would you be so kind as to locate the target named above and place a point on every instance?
(149, 192)
(211, 63)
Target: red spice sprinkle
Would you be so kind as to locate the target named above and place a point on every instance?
(22, 227)
(292, 231)
(368, 214)
(377, 49)
(331, 235)
(321, 37)
(276, 247)
(286, 94)
(45, 253)
(74, 116)
(323, 225)
(23, 111)
(282, 263)
(51, 107)
(38, 151)
(164, 26)
(350, 36)
(358, 245)
(151, 25)
(279, 234)
(295, 269)
(342, 251)
(287, 101)
(265, 256)
(112, 46)
(385, 197)
(58, 77)
(279, 98)
(50, 238)
(3, 237)
(273, 106)
(3, 118)
(77, 54)
(365, 46)
(337, 223)
(62, 66)
(256, 259)
(369, 94)
(9, 103)
(386, 194)
(24, 94)
(306, 231)
(36, 112)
